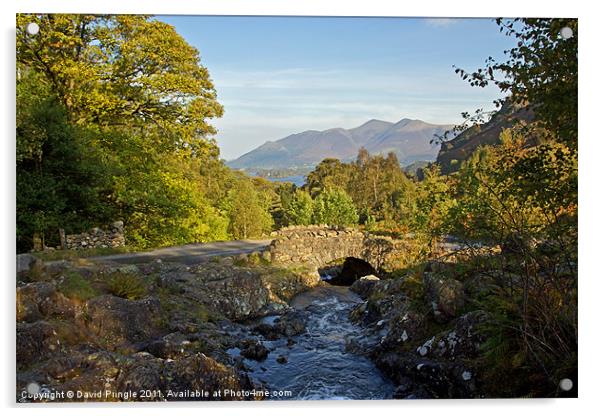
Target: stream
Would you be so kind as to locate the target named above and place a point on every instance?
(319, 366)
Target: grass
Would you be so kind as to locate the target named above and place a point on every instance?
(252, 259)
(173, 303)
(78, 254)
(128, 286)
(76, 287)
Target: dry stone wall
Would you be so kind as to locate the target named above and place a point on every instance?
(318, 245)
(112, 236)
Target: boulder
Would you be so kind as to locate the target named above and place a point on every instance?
(463, 341)
(240, 293)
(429, 378)
(445, 295)
(288, 325)
(119, 321)
(36, 342)
(39, 300)
(283, 285)
(201, 373)
(404, 328)
(142, 372)
(254, 350)
(82, 371)
(170, 346)
(363, 286)
(26, 262)
(386, 300)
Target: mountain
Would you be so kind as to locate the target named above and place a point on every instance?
(409, 139)
(458, 149)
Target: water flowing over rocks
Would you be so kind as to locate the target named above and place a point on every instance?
(228, 324)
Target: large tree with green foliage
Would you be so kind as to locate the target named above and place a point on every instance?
(329, 173)
(124, 71)
(62, 180)
(112, 121)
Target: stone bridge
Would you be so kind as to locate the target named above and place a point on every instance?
(316, 246)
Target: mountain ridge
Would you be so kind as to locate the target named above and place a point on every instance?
(408, 138)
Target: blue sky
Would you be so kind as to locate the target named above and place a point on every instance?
(277, 76)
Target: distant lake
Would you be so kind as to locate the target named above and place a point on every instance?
(298, 180)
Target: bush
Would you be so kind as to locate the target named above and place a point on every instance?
(128, 286)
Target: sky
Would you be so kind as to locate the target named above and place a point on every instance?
(277, 76)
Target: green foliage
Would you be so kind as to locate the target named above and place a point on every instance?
(248, 211)
(328, 174)
(522, 196)
(164, 203)
(299, 210)
(51, 193)
(124, 70)
(523, 199)
(75, 286)
(81, 254)
(540, 71)
(283, 192)
(128, 286)
(380, 190)
(513, 188)
(433, 199)
(112, 124)
(334, 207)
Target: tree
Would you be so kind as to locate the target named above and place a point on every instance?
(285, 192)
(512, 189)
(161, 197)
(523, 199)
(63, 180)
(248, 216)
(329, 173)
(112, 123)
(521, 196)
(334, 207)
(125, 71)
(299, 210)
(434, 198)
(377, 186)
(540, 73)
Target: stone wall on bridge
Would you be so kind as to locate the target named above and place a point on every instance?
(318, 245)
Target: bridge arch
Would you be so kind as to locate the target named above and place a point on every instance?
(315, 246)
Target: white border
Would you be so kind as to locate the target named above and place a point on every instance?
(590, 289)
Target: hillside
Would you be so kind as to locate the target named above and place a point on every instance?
(458, 149)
